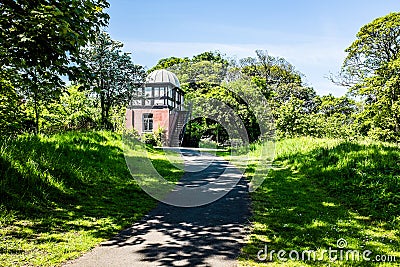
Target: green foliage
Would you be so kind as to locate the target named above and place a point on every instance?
(296, 108)
(334, 117)
(331, 105)
(197, 72)
(110, 75)
(62, 195)
(371, 68)
(205, 68)
(159, 135)
(194, 131)
(377, 44)
(43, 33)
(12, 113)
(227, 94)
(292, 120)
(156, 138)
(215, 57)
(166, 63)
(150, 139)
(179, 63)
(39, 40)
(74, 110)
(269, 72)
(300, 112)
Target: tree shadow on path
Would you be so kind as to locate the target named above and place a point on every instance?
(209, 235)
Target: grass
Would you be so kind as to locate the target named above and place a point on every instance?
(322, 190)
(64, 194)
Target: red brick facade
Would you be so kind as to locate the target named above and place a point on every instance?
(134, 119)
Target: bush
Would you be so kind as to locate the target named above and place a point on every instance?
(150, 139)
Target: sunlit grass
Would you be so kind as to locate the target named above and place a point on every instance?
(321, 190)
(62, 195)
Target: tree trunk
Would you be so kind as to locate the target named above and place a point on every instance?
(36, 109)
(395, 115)
(103, 105)
(103, 110)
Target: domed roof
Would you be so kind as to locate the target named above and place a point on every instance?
(163, 76)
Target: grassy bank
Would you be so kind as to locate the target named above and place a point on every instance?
(62, 195)
(322, 190)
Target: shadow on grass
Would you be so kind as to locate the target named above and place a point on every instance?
(366, 178)
(312, 199)
(67, 183)
(69, 177)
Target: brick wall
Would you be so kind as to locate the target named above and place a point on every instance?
(134, 119)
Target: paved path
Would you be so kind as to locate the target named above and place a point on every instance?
(209, 235)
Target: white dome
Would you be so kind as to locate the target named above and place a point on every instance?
(162, 76)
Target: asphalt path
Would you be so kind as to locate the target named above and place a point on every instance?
(208, 235)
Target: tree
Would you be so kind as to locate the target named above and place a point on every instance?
(269, 72)
(193, 73)
(166, 63)
(292, 119)
(331, 105)
(12, 113)
(371, 70)
(39, 39)
(73, 110)
(334, 117)
(213, 76)
(46, 32)
(377, 44)
(286, 92)
(109, 74)
(205, 68)
(214, 56)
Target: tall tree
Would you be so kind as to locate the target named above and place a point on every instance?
(45, 32)
(269, 72)
(38, 40)
(371, 70)
(73, 110)
(110, 74)
(11, 112)
(205, 68)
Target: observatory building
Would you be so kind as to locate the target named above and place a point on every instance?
(159, 105)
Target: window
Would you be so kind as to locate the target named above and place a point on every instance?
(148, 92)
(147, 122)
(139, 92)
(162, 91)
(136, 102)
(156, 92)
(158, 102)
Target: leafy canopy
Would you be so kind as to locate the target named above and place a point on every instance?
(371, 69)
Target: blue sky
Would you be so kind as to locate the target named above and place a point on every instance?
(312, 35)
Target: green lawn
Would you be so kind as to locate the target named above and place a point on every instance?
(62, 195)
(322, 190)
